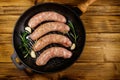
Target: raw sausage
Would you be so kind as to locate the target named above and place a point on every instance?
(45, 16)
(47, 27)
(51, 38)
(51, 53)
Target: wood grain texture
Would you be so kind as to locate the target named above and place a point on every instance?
(103, 10)
(5, 73)
(17, 2)
(78, 71)
(91, 71)
(7, 23)
(106, 24)
(5, 51)
(100, 59)
(112, 52)
(69, 2)
(87, 71)
(76, 2)
(103, 37)
(14, 7)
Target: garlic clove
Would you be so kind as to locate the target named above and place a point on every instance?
(28, 29)
(33, 55)
(73, 46)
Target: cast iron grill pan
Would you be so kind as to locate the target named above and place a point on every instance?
(55, 64)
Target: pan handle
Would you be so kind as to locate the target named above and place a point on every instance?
(83, 6)
(19, 66)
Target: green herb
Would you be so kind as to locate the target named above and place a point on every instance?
(24, 45)
(73, 33)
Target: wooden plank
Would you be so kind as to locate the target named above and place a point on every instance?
(6, 50)
(103, 10)
(112, 52)
(103, 37)
(75, 2)
(9, 71)
(89, 58)
(13, 10)
(93, 52)
(6, 38)
(8, 77)
(82, 71)
(90, 71)
(117, 67)
(70, 2)
(7, 27)
(16, 2)
(14, 7)
(4, 18)
(7, 23)
(101, 23)
(106, 3)
(32, 77)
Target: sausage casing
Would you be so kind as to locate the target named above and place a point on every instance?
(51, 53)
(51, 38)
(47, 27)
(45, 16)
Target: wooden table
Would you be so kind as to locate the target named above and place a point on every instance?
(100, 59)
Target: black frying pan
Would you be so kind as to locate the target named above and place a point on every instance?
(55, 64)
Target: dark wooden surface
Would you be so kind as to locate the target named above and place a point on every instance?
(100, 59)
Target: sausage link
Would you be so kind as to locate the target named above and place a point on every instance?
(47, 27)
(45, 16)
(51, 53)
(51, 38)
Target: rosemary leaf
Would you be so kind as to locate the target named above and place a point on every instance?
(20, 46)
(24, 52)
(26, 55)
(72, 33)
(24, 44)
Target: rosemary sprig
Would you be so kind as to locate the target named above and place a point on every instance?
(24, 45)
(73, 33)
